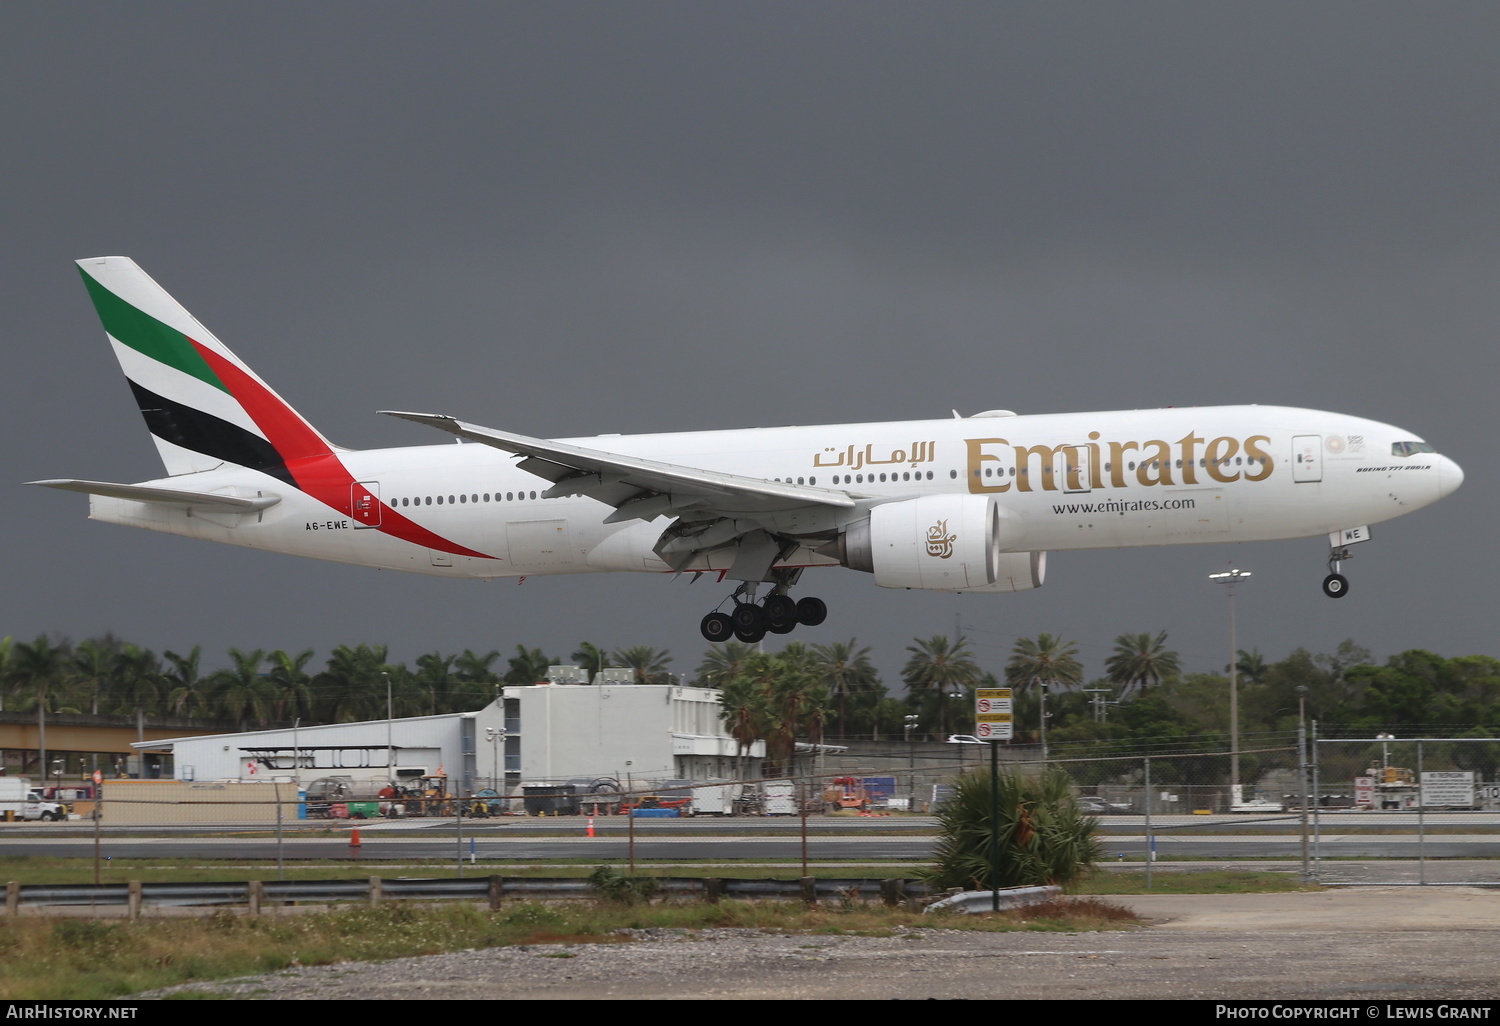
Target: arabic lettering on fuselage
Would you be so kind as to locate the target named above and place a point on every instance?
(995, 465)
(854, 459)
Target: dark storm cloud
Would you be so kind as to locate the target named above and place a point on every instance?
(574, 218)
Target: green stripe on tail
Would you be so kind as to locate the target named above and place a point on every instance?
(146, 335)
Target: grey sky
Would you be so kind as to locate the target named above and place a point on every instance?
(576, 218)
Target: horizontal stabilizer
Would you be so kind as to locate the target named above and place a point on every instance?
(207, 501)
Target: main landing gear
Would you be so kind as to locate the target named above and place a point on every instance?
(750, 621)
(1336, 585)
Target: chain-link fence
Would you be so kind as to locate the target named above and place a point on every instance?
(1371, 809)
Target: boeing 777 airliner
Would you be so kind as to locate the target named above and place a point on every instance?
(970, 504)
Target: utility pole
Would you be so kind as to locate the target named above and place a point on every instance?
(1229, 578)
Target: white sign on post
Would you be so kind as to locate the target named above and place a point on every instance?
(992, 714)
(1449, 787)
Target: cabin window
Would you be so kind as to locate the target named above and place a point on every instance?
(1410, 448)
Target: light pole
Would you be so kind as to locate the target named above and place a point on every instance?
(1302, 771)
(1229, 578)
(390, 748)
(911, 765)
(1043, 684)
(496, 737)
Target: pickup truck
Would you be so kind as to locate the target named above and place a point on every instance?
(37, 807)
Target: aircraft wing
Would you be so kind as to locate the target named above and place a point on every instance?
(639, 488)
(214, 502)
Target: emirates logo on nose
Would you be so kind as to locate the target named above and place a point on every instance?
(939, 541)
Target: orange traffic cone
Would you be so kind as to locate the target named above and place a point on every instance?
(354, 838)
(590, 831)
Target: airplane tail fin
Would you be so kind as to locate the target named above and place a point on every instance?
(202, 405)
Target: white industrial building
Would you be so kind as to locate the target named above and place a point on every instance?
(541, 733)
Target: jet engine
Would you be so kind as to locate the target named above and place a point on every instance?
(940, 543)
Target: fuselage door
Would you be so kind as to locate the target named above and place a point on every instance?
(1307, 458)
(364, 504)
(1070, 468)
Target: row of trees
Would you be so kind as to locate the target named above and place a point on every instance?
(260, 688)
(1143, 695)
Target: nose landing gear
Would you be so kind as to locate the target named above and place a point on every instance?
(750, 621)
(1336, 585)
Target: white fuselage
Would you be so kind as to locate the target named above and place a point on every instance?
(1065, 481)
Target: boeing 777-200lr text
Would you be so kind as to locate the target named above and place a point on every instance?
(970, 504)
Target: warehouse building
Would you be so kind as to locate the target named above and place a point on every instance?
(536, 734)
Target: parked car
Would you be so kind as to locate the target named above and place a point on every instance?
(1257, 805)
(1094, 805)
(965, 739)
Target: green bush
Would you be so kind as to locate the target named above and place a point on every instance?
(613, 885)
(1044, 837)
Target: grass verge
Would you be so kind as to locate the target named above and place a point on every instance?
(82, 959)
(1193, 881)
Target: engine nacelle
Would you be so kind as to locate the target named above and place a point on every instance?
(940, 543)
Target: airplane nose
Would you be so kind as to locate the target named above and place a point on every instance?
(1450, 476)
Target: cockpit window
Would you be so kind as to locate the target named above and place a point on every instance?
(1410, 448)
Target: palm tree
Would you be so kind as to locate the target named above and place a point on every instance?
(649, 664)
(476, 682)
(1045, 659)
(289, 682)
(743, 702)
(528, 666)
(137, 683)
(799, 701)
(350, 687)
(185, 694)
(941, 667)
(93, 661)
(1044, 837)
(1141, 660)
(1252, 667)
(36, 669)
(845, 668)
(721, 663)
(239, 692)
(435, 673)
(591, 657)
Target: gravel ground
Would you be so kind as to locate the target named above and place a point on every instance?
(1360, 945)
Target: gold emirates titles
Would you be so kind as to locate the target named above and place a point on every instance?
(1198, 458)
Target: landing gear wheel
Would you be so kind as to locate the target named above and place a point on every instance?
(784, 627)
(811, 612)
(717, 628)
(780, 609)
(750, 635)
(1335, 586)
(748, 617)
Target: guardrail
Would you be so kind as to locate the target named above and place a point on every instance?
(258, 894)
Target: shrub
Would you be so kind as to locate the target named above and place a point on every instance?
(1044, 837)
(614, 885)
